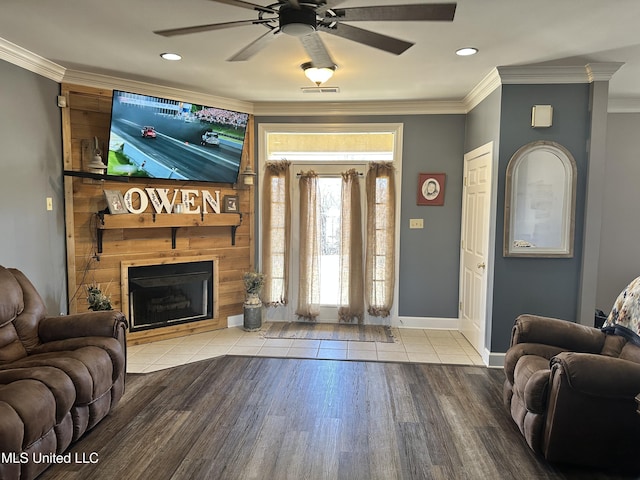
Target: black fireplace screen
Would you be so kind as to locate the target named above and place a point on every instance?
(161, 295)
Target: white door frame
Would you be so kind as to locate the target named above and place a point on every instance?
(287, 312)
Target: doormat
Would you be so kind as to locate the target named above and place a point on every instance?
(329, 331)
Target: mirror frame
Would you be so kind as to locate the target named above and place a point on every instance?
(567, 222)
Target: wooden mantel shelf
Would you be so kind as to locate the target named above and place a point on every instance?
(174, 221)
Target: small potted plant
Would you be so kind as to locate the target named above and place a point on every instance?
(96, 299)
(253, 283)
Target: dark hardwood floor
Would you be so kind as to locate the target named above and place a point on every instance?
(279, 418)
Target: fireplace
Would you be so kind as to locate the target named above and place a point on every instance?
(161, 294)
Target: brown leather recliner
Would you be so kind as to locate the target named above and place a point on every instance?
(570, 389)
(59, 376)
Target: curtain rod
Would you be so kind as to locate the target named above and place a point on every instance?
(329, 174)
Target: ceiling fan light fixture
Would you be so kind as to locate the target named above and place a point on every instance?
(318, 75)
(466, 51)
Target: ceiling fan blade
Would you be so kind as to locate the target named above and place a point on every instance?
(367, 37)
(213, 26)
(254, 47)
(428, 11)
(250, 6)
(315, 48)
(327, 5)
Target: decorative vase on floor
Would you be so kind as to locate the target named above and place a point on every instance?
(252, 312)
(253, 283)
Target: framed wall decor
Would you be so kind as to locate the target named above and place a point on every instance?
(230, 204)
(540, 202)
(431, 188)
(115, 202)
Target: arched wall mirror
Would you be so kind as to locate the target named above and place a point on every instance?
(540, 202)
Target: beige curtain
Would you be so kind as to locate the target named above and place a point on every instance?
(309, 288)
(351, 271)
(380, 263)
(276, 226)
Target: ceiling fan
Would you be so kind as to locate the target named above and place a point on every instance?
(304, 19)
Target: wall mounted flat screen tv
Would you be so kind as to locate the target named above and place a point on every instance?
(160, 138)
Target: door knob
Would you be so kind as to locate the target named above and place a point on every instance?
(482, 265)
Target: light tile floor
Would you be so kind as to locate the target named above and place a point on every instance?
(411, 345)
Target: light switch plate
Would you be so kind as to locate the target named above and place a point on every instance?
(416, 223)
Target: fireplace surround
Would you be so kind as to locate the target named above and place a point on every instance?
(165, 292)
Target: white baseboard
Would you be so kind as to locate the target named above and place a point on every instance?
(492, 359)
(426, 322)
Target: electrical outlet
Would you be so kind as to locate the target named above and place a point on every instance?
(416, 223)
(49, 203)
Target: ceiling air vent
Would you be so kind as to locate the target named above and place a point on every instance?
(320, 89)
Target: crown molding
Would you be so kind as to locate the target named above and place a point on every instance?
(589, 73)
(359, 108)
(108, 82)
(21, 57)
(542, 74)
(602, 72)
(482, 90)
(533, 75)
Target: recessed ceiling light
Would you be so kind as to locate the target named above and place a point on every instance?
(171, 56)
(466, 51)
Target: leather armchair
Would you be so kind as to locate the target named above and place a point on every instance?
(570, 389)
(59, 376)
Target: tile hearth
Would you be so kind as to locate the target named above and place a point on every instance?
(411, 345)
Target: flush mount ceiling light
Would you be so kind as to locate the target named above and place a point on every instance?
(171, 56)
(318, 75)
(466, 51)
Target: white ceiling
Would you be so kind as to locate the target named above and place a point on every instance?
(115, 38)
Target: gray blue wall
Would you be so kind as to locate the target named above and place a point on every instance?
(429, 258)
(530, 285)
(33, 239)
(483, 123)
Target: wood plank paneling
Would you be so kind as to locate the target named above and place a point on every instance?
(88, 116)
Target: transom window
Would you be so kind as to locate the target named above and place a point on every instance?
(330, 143)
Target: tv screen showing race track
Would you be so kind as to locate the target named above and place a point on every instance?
(161, 138)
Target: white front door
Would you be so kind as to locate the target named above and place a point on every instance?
(474, 253)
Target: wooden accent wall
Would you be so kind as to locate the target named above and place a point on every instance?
(88, 116)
